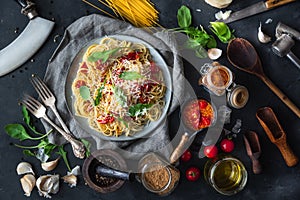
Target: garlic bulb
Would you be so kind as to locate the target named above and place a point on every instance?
(24, 168)
(219, 3)
(214, 53)
(263, 38)
(48, 184)
(49, 166)
(28, 183)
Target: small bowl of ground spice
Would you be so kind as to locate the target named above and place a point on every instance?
(98, 182)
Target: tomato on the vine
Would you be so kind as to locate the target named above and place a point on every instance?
(192, 173)
(211, 151)
(227, 145)
(186, 156)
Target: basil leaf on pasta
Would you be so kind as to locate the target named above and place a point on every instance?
(85, 92)
(103, 55)
(131, 75)
(138, 108)
(120, 96)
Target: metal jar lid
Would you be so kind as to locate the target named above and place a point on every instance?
(237, 96)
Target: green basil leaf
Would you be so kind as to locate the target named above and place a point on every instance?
(222, 31)
(200, 52)
(131, 75)
(137, 108)
(99, 94)
(85, 92)
(28, 122)
(184, 17)
(27, 152)
(87, 146)
(17, 131)
(120, 96)
(103, 55)
(63, 154)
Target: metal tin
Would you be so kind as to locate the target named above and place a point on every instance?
(237, 96)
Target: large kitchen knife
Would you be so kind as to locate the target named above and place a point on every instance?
(255, 9)
(28, 42)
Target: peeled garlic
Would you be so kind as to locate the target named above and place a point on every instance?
(263, 38)
(28, 183)
(223, 15)
(49, 166)
(214, 53)
(71, 179)
(219, 3)
(24, 168)
(48, 184)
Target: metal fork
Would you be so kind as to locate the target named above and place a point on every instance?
(39, 111)
(48, 98)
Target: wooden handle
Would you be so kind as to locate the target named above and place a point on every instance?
(288, 155)
(256, 166)
(178, 151)
(275, 3)
(281, 95)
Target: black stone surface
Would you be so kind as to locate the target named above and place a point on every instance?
(277, 180)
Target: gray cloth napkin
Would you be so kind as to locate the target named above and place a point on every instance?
(75, 37)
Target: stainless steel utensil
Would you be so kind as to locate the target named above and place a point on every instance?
(39, 111)
(259, 7)
(48, 98)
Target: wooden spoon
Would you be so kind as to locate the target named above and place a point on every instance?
(243, 55)
(276, 134)
(253, 150)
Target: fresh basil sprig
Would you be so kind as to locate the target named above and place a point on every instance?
(222, 31)
(17, 131)
(63, 154)
(99, 94)
(137, 108)
(87, 146)
(26, 119)
(102, 55)
(130, 75)
(198, 39)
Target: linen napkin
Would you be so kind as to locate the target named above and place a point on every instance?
(75, 37)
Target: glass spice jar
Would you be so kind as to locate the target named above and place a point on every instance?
(157, 175)
(226, 174)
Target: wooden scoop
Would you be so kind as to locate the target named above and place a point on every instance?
(253, 150)
(276, 134)
(243, 55)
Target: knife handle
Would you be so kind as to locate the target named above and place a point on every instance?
(275, 3)
(28, 8)
(178, 151)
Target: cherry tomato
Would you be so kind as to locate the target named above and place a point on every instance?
(192, 173)
(211, 151)
(227, 145)
(203, 104)
(186, 156)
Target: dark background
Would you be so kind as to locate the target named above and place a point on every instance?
(277, 180)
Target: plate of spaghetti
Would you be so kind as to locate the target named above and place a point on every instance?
(118, 88)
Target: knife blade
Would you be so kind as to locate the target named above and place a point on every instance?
(254, 9)
(28, 42)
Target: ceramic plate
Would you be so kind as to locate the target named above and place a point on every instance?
(83, 122)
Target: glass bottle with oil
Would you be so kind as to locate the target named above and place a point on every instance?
(226, 174)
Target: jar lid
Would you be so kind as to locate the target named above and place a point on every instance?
(219, 77)
(237, 96)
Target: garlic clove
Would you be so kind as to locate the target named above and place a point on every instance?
(48, 184)
(24, 168)
(263, 38)
(214, 53)
(28, 182)
(222, 16)
(49, 166)
(71, 179)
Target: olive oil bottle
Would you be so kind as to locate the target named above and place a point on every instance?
(225, 174)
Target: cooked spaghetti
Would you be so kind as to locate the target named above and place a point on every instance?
(118, 87)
